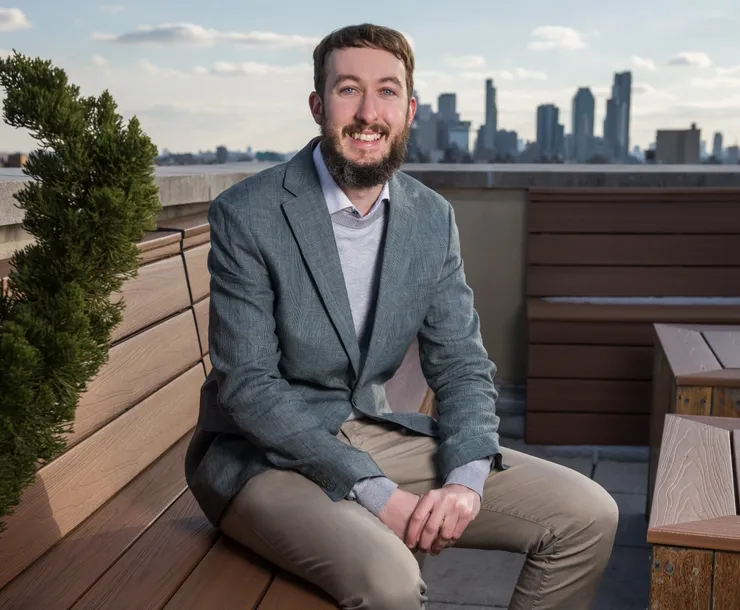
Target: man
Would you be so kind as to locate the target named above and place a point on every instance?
(323, 270)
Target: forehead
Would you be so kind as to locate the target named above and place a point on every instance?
(368, 65)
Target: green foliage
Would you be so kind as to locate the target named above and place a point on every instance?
(91, 197)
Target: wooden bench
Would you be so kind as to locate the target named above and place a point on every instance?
(696, 371)
(603, 265)
(111, 523)
(694, 520)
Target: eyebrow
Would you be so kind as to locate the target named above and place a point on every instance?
(352, 77)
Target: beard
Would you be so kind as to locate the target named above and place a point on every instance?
(362, 175)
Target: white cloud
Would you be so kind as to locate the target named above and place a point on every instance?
(13, 19)
(112, 9)
(152, 68)
(548, 37)
(252, 68)
(530, 74)
(98, 60)
(465, 62)
(716, 82)
(644, 63)
(506, 75)
(728, 71)
(193, 34)
(697, 59)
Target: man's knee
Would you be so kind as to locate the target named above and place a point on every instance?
(598, 516)
(392, 585)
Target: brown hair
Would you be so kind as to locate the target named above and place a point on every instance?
(358, 36)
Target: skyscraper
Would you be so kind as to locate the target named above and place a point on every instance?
(584, 109)
(550, 138)
(618, 110)
(491, 125)
(717, 151)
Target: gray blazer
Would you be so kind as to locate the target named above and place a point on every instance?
(286, 362)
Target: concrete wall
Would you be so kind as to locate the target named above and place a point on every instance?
(490, 207)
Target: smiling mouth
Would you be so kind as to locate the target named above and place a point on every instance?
(366, 137)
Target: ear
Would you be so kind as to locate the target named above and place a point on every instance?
(317, 107)
(412, 110)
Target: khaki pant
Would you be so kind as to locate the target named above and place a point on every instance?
(563, 521)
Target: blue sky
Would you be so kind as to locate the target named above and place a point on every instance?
(236, 73)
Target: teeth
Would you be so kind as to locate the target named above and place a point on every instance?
(366, 137)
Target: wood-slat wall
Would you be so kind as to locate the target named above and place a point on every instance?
(590, 366)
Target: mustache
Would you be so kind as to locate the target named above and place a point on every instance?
(375, 128)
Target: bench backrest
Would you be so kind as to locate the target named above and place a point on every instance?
(633, 242)
(144, 401)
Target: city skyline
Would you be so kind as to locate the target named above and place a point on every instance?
(198, 77)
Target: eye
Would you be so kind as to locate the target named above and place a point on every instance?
(389, 92)
(346, 89)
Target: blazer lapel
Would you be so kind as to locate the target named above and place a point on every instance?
(311, 224)
(393, 269)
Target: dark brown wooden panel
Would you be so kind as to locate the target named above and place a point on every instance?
(725, 585)
(681, 579)
(71, 567)
(628, 250)
(287, 591)
(229, 578)
(590, 362)
(570, 281)
(648, 217)
(539, 309)
(588, 395)
(591, 333)
(586, 429)
(152, 570)
(635, 195)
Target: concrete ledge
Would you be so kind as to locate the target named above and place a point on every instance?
(182, 185)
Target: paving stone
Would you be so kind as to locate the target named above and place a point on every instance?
(622, 477)
(626, 582)
(471, 576)
(632, 529)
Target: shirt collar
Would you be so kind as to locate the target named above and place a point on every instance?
(336, 199)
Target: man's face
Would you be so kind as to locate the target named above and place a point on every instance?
(365, 116)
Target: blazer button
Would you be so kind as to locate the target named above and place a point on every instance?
(355, 402)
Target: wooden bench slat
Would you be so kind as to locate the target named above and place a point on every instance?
(635, 195)
(160, 290)
(695, 479)
(157, 245)
(689, 217)
(228, 578)
(201, 321)
(640, 250)
(538, 309)
(590, 362)
(71, 567)
(136, 368)
(721, 534)
(586, 429)
(196, 264)
(726, 346)
(71, 488)
(600, 281)
(287, 591)
(207, 363)
(155, 566)
(189, 226)
(589, 395)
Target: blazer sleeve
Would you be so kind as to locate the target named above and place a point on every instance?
(252, 395)
(457, 368)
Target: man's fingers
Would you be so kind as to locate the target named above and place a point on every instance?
(446, 535)
(418, 520)
(431, 530)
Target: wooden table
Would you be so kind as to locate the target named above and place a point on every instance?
(694, 523)
(696, 371)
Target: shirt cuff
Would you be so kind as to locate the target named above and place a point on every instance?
(472, 475)
(372, 493)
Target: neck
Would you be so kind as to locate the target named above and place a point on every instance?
(363, 199)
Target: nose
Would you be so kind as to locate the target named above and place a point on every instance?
(367, 112)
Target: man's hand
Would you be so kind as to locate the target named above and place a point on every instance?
(397, 511)
(440, 518)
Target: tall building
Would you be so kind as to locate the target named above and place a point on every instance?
(491, 124)
(550, 133)
(717, 150)
(584, 112)
(447, 107)
(617, 120)
(678, 146)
